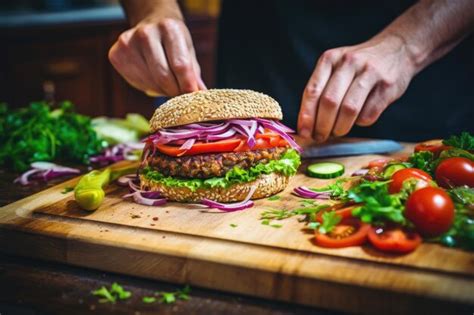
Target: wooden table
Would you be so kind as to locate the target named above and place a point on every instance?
(36, 287)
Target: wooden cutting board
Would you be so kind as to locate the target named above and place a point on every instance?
(235, 252)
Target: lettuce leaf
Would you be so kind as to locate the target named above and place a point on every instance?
(287, 165)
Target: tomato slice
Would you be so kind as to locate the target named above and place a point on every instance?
(435, 146)
(393, 240)
(228, 145)
(349, 232)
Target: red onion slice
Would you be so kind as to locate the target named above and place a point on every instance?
(305, 192)
(138, 198)
(360, 172)
(125, 179)
(229, 207)
(45, 171)
(270, 124)
(187, 144)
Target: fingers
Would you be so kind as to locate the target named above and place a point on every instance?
(353, 102)
(130, 64)
(158, 58)
(331, 100)
(148, 39)
(376, 103)
(179, 56)
(312, 93)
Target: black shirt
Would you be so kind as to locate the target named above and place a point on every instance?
(272, 46)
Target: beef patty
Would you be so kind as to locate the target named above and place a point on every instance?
(210, 165)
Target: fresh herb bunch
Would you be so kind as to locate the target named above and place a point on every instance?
(378, 205)
(464, 141)
(39, 133)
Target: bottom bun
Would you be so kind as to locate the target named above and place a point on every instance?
(267, 185)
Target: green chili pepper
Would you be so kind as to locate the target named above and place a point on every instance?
(89, 192)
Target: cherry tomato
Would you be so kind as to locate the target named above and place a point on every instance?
(200, 147)
(400, 176)
(393, 240)
(431, 210)
(349, 232)
(454, 172)
(379, 163)
(434, 146)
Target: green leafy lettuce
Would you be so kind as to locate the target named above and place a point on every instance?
(287, 165)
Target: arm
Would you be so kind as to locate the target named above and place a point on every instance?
(355, 84)
(156, 55)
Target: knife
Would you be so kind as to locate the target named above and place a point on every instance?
(351, 148)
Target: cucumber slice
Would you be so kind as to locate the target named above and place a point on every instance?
(391, 169)
(325, 170)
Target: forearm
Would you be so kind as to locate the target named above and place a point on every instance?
(431, 28)
(143, 10)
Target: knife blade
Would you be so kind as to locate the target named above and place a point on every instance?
(352, 148)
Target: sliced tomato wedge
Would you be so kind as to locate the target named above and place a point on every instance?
(395, 240)
(349, 232)
(435, 146)
(228, 145)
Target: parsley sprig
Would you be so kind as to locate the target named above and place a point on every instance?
(464, 141)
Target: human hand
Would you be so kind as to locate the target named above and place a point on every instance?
(157, 56)
(354, 85)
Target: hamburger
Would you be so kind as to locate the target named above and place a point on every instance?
(218, 146)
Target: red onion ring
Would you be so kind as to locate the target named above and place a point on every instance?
(230, 207)
(305, 192)
(45, 171)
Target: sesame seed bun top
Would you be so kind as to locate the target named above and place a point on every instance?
(215, 104)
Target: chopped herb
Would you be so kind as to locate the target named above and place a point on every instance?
(464, 141)
(378, 205)
(265, 222)
(148, 299)
(276, 214)
(273, 198)
(105, 294)
(310, 212)
(121, 293)
(307, 202)
(67, 189)
(336, 189)
(111, 295)
(330, 220)
(233, 225)
(277, 226)
(170, 297)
